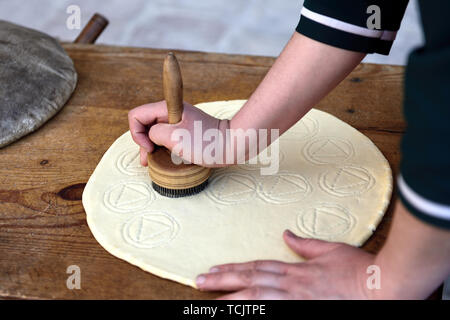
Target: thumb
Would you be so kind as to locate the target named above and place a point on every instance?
(308, 248)
(161, 133)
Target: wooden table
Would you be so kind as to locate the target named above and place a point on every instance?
(43, 226)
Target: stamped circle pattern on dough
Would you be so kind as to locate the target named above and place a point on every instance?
(150, 229)
(325, 221)
(328, 150)
(257, 166)
(346, 181)
(128, 196)
(306, 128)
(232, 188)
(128, 162)
(332, 184)
(283, 188)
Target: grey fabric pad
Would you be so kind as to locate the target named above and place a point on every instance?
(37, 77)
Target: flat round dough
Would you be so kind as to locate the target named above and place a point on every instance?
(333, 184)
(37, 77)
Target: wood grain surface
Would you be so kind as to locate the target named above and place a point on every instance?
(43, 226)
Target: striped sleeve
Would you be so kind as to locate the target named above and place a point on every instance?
(429, 211)
(344, 23)
(424, 183)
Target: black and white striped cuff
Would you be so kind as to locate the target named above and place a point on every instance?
(426, 210)
(344, 35)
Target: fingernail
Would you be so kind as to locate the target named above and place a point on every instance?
(200, 280)
(213, 270)
(290, 234)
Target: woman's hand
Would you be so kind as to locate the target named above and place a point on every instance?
(332, 271)
(148, 126)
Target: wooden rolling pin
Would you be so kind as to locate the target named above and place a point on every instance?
(92, 30)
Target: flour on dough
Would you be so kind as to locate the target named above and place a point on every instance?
(333, 184)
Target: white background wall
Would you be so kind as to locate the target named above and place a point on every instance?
(257, 27)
